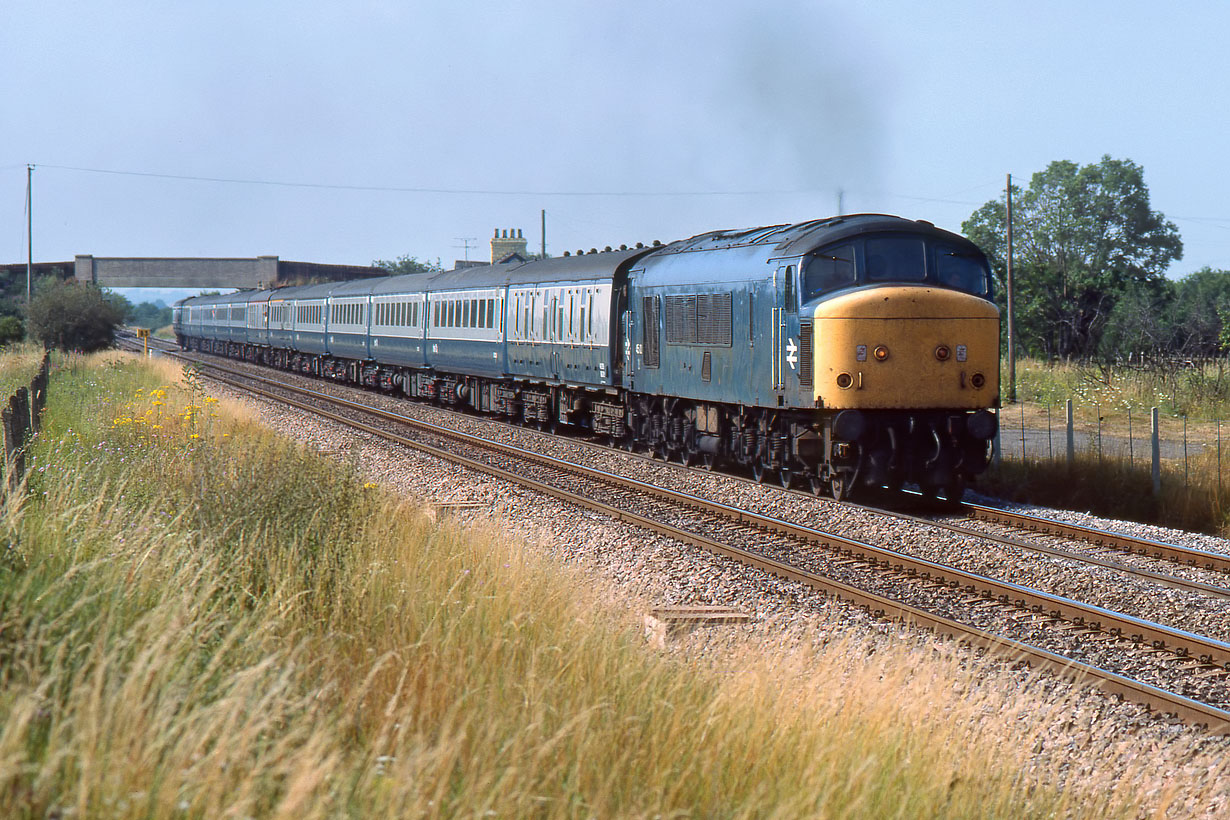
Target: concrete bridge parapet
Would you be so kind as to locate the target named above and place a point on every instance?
(145, 272)
(259, 272)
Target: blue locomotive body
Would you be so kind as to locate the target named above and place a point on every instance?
(744, 347)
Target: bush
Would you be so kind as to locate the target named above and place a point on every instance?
(73, 316)
(11, 330)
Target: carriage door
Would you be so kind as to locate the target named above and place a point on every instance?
(785, 348)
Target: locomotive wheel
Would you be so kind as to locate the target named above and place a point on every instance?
(708, 461)
(839, 487)
(786, 477)
(955, 491)
(816, 484)
(760, 472)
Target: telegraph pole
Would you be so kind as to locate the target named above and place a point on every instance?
(29, 232)
(1011, 317)
(544, 233)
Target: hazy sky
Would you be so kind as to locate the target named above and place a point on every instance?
(364, 129)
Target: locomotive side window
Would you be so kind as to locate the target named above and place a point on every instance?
(895, 259)
(830, 269)
(962, 270)
(788, 286)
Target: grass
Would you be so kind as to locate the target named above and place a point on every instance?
(18, 365)
(1114, 403)
(199, 619)
(1200, 392)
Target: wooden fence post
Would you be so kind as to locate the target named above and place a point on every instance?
(1157, 457)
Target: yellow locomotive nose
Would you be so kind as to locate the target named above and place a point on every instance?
(906, 347)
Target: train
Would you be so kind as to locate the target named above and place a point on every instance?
(845, 355)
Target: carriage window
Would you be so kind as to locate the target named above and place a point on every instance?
(895, 259)
(829, 270)
(490, 313)
(788, 286)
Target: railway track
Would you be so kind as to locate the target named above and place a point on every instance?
(880, 579)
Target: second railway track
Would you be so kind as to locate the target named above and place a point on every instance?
(1048, 630)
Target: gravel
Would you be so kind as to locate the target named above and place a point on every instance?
(646, 570)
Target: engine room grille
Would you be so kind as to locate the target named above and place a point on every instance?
(805, 345)
(649, 324)
(701, 319)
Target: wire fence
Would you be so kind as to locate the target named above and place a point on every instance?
(1145, 439)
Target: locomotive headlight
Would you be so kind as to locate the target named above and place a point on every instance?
(881, 353)
(844, 380)
(978, 381)
(942, 353)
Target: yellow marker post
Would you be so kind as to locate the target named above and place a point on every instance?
(143, 335)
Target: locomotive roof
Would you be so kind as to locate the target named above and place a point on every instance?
(804, 237)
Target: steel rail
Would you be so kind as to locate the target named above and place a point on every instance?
(1174, 553)
(1163, 579)
(1033, 523)
(1187, 556)
(1154, 698)
(1180, 642)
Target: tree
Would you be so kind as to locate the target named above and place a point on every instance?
(1084, 236)
(149, 315)
(74, 316)
(1201, 301)
(11, 330)
(407, 264)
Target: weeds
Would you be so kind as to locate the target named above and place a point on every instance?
(198, 619)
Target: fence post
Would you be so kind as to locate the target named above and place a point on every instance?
(1157, 457)
(9, 446)
(1071, 436)
(1131, 453)
(21, 424)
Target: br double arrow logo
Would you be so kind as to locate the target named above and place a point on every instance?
(792, 352)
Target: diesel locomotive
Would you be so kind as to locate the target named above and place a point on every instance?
(840, 354)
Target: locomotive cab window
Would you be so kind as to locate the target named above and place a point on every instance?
(895, 259)
(830, 269)
(961, 269)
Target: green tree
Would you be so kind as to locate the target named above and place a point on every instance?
(1084, 237)
(407, 264)
(1139, 322)
(68, 315)
(149, 315)
(11, 330)
(1196, 314)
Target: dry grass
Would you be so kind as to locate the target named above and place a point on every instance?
(18, 365)
(200, 620)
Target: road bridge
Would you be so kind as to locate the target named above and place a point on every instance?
(220, 273)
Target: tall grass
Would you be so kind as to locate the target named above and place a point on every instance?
(198, 619)
(1114, 402)
(1201, 391)
(18, 365)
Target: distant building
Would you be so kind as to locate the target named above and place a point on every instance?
(506, 243)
